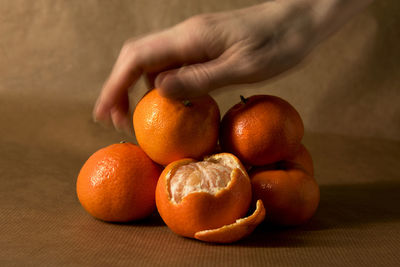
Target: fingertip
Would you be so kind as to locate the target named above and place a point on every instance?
(169, 86)
(99, 113)
(95, 112)
(121, 121)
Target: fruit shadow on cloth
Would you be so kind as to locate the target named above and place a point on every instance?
(343, 208)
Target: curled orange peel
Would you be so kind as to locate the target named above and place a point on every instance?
(235, 231)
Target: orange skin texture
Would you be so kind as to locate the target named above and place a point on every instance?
(167, 130)
(200, 210)
(117, 183)
(236, 231)
(290, 196)
(302, 159)
(263, 130)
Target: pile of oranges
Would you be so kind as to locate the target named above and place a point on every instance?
(204, 174)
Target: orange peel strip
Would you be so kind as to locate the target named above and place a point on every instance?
(235, 231)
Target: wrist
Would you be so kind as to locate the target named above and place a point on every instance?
(327, 16)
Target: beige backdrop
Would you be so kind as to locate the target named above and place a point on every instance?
(63, 50)
(54, 57)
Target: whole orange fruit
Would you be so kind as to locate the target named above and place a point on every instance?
(301, 159)
(170, 129)
(117, 183)
(195, 196)
(290, 196)
(261, 129)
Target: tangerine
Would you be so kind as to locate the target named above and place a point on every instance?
(170, 129)
(261, 129)
(117, 183)
(195, 196)
(302, 158)
(290, 195)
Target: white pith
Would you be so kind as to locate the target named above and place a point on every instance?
(210, 175)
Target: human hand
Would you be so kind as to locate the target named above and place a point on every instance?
(210, 51)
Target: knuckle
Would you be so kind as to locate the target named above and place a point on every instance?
(129, 50)
(128, 46)
(203, 32)
(203, 77)
(198, 77)
(201, 22)
(198, 20)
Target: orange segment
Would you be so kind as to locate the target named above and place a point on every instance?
(235, 231)
(194, 196)
(199, 177)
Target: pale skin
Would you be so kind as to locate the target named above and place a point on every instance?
(210, 51)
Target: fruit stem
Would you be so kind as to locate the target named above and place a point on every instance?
(122, 142)
(243, 99)
(187, 103)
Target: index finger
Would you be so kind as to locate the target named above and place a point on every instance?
(152, 53)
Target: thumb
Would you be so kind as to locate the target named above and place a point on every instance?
(193, 80)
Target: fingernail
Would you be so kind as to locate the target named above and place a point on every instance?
(95, 112)
(94, 117)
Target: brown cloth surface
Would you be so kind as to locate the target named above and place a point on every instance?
(54, 56)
